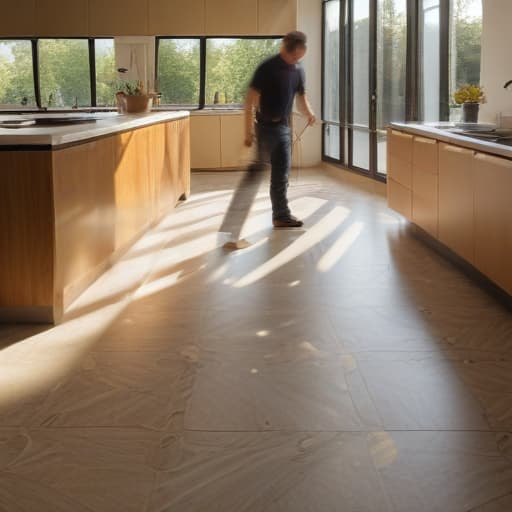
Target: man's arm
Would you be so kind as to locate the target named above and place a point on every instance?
(251, 101)
(305, 108)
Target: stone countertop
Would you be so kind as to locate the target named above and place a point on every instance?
(100, 125)
(442, 131)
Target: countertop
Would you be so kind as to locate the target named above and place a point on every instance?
(444, 134)
(101, 124)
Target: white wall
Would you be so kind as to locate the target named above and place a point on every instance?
(496, 58)
(310, 22)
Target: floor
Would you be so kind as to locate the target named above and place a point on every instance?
(342, 367)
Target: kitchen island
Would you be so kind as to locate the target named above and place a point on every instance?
(456, 189)
(75, 195)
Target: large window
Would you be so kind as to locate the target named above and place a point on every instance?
(76, 72)
(64, 72)
(393, 60)
(331, 85)
(106, 74)
(16, 73)
(212, 72)
(465, 46)
(178, 71)
(230, 64)
(391, 70)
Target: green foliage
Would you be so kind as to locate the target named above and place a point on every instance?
(64, 72)
(16, 76)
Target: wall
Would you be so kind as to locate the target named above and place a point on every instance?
(310, 22)
(496, 61)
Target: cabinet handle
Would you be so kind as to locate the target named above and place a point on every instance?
(457, 149)
(425, 141)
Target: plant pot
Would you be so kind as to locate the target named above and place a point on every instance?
(133, 104)
(470, 112)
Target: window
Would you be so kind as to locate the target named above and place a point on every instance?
(228, 67)
(178, 71)
(230, 64)
(64, 72)
(16, 73)
(331, 86)
(393, 60)
(465, 44)
(106, 74)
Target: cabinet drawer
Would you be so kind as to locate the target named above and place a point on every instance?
(424, 155)
(399, 147)
(399, 198)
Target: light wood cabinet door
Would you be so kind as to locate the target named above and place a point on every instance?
(276, 17)
(61, 18)
(425, 185)
(493, 218)
(118, 17)
(399, 148)
(399, 198)
(18, 18)
(231, 17)
(232, 130)
(456, 200)
(176, 17)
(205, 142)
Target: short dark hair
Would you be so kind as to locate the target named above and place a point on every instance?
(294, 40)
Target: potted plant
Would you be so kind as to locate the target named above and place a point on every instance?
(132, 98)
(469, 96)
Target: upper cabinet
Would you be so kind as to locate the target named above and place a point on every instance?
(231, 17)
(61, 18)
(68, 18)
(177, 17)
(18, 18)
(118, 17)
(276, 17)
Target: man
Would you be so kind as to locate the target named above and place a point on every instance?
(272, 91)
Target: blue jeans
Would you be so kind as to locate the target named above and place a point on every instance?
(274, 147)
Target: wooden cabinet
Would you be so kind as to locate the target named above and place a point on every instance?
(176, 17)
(277, 17)
(493, 218)
(205, 142)
(232, 134)
(62, 18)
(18, 18)
(231, 17)
(399, 158)
(118, 17)
(66, 214)
(456, 200)
(425, 184)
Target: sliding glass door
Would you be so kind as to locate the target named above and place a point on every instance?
(392, 60)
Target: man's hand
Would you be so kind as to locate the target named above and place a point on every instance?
(248, 140)
(311, 119)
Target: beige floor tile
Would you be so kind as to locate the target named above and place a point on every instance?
(414, 391)
(76, 469)
(122, 389)
(270, 391)
(441, 471)
(278, 472)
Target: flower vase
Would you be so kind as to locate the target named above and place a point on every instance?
(470, 112)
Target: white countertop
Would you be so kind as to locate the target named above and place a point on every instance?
(444, 135)
(102, 123)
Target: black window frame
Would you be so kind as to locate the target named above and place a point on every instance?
(413, 105)
(35, 63)
(201, 105)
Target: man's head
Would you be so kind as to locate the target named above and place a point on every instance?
(294, 47)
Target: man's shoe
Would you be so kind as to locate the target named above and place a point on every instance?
(289, 222)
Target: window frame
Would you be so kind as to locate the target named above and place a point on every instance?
(36, 61)
(201, 105)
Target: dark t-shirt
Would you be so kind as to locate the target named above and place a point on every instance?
(277, 82)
